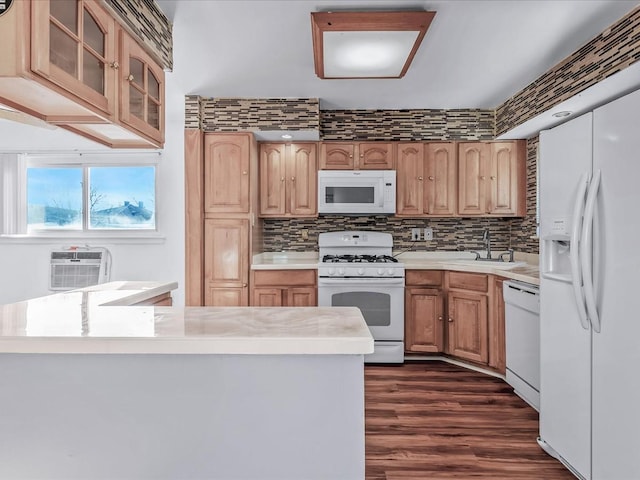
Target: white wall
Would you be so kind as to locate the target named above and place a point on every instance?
(24, 267)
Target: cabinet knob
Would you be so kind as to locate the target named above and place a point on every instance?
(244, 172)
(282, 179)
(130, 78)
(244, 285)
(362, 155)
(293, 179)
(350, 156)
(482, 177)
(114, 65)
(450, 320)
(440, 318)
(431, 177)
(493, 178)
(420, 178)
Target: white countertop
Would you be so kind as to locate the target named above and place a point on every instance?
(98, 320)
(525, 267)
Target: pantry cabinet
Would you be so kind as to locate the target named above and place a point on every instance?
(426, 179)
(284, 288)
(71, 64)
(424, 311)
(492, 178)
(226, 172)
(288, 180)
(356, 156)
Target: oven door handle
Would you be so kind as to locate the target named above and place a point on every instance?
(355, 281)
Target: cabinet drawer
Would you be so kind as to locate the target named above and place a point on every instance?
(284, 277)
(469, 281)
(424, 277)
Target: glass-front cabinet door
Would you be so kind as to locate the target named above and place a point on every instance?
(73, 46)
(142, 90)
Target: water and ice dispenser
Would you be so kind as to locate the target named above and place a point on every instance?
(556, 248)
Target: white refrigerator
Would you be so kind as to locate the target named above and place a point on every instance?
(589, 195)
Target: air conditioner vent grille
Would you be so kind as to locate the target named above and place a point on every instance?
(74, 268)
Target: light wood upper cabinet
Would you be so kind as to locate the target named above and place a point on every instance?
(426, 179)
(507, 175)
(226, 172)
(440, 179)
(356, 156)
(70, 64)
(337, 156)
(492, 178)
(226, 261)
(410, 179)
(375, 156)
(142, 90)
(74, 46)
(288, 180)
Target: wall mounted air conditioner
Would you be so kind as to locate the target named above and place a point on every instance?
(78, 267)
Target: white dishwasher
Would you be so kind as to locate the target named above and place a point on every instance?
(522, 319)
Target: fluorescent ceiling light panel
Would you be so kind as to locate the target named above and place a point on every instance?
(367, 44)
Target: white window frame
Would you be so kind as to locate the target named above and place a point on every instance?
(13, 173)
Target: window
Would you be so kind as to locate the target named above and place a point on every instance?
(80, 194)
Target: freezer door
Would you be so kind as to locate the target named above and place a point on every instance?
(565, 346)
(616, 349)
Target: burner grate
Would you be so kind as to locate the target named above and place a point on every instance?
(359, 259)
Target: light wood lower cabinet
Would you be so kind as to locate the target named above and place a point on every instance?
(226, 262)
(459, 314)
(284, 288)
(424, 311)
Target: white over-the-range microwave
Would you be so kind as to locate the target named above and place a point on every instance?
(357, 192)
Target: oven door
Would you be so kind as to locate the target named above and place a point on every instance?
(380, 301)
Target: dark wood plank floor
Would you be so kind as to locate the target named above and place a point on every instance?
(433, 420)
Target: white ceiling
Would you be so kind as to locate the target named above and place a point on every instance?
(476, 54)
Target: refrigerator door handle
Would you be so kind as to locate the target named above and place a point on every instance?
(586, 256)
(574, 250)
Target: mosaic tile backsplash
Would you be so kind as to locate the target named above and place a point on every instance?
(452, 234)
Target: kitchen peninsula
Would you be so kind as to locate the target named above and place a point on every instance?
(95, 384)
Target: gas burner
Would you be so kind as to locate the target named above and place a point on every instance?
(358, 259)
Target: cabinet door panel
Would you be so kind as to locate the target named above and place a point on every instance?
(409, 181)
(226, 297)
(375, 156)
(302, 178)
(424, 320)
(441, 182)
(272, 179)
(302, 297)
(73, 45)
(337, 156)
(505, 175)
(497, 350)
(226, 252)
(468, 332)
(226, 173)
(472, 166)
(267, 297)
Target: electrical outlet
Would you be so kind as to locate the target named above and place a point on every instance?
(428, 233)
(304, 233)
(415, 234)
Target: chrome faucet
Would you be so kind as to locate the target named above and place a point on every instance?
(486, 237)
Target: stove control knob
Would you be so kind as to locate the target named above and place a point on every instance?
(341, 271)
(380, 271)
(389, 271)
(332, 271)
(361, 271)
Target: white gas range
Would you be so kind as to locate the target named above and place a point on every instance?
(357, 269)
